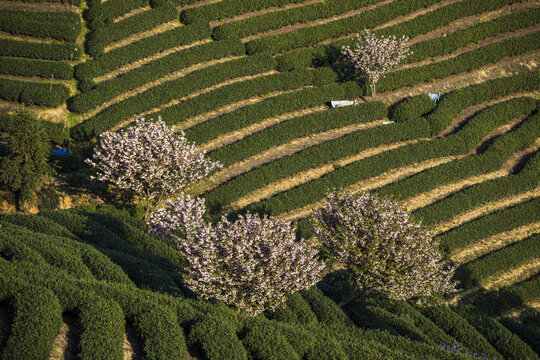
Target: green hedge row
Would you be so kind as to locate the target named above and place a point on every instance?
(526, 333)
(52, 51)
(502, 260)
(103, 327)
(456, 326)
(265, 342)
(105, 12)
(476, 195)
(41, 68)
(170, 90)
(276, 44)
(217, 340)
(236, 92)
(229, 8)
(498, 302)
(58, 25)
(458, 143)
(491, 157)
(295, 310)
(449, 107)
(500, 221)
(274, 106)
(152, 71)
(55, 133)
(298, 127)
(31, 93)
(143, 48)
(463, 63)
(411, 108)
(36, 323)
(278, 19)
(74, 2)
(323, 55)
(327, 311)
(98, 39)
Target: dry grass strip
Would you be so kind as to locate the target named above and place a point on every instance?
(216, 23)
(492, 243)
(485, 210)
(530, 309)
(137, 64)
(196, 120)
(132, 13)
(373, 183)
(234, 136)
(30, 39)
(169, 77)
(439, 193)
(289, 28)
(474, 46)
(498, 281)
(278, 152)
(65, 346)
(145, 34)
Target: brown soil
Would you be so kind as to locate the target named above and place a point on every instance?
(65, 346)
(6, 35)
(492, 243)
(146, 60)
(142, 35)
(290, 28)
(485, 210)
(386, 178)
(149, 85)
(132, 13)
(234, 136)
(278, 152)
(216, 23)
(133, 347)
(44, 6)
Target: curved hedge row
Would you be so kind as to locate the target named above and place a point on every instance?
(497, 222)
(491, 158)
(106, 12)
(325, 54)
(274, 106)
(412, 107)
(100, 38)
(58, 25)
(229, 8)
(31, 93)
(449, 107)
(168, 91)
(482, 193)
(278, 19)
(41, 68)
(276, 44)
(499, 261)
(215, 338)
(498, 302)
(460, 142)
(32, 50)
(108, 90)
(103, 327)
(298, 127)
(36, 323)
(146, 47)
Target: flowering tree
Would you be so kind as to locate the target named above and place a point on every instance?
(375, 57)
(384, 251)
(149, 159)
(252, 263)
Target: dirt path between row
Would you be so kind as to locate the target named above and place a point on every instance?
(492, 243)
(142, 35)
(197, 4)
(131, 13)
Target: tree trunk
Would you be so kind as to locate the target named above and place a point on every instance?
(373, 91)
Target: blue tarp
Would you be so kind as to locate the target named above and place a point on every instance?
(58, 151)
(434, 97)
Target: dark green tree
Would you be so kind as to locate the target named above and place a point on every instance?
(25, 167)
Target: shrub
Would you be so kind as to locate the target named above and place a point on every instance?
(30, 93)
(264, 341)
(217, 340)
(35, 50)
(40, 68)
(412, 107)
(58, 25)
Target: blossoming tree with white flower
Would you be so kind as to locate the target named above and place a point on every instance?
(252, 263)
(376, 56)
(385, 252)
(150, 160)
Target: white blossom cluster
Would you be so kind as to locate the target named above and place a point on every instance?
(252, 263)
(149, 159)
(374, 56)
(387, 254)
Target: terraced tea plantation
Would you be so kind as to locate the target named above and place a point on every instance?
(251, 83)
